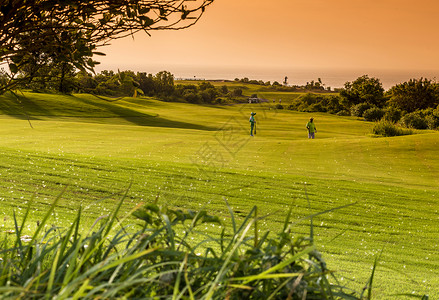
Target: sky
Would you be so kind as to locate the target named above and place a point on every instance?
(320, 35)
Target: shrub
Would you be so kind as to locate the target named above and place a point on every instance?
(279, 106)
(373, 114)
(307, 99)
(317, 103)
(317, 107)
(431, 116)
(432, 121)
(237, 92)
(359, 109)
(209, 95)
(334, 104)
(192, 97)
(388, 128)
(414, 120)
(224, 89)
(393, 114)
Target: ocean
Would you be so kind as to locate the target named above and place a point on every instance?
(330, 77)
(334, 78)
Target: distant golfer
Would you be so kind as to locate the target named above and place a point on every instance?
(311, 128)
(252, 123)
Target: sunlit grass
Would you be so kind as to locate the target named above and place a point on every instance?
(167, 253)
(193, 156)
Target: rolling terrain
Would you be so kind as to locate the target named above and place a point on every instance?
(193, 156)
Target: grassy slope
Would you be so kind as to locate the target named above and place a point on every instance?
(195, 154)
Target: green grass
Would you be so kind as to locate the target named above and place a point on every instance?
(165, 254)
(193, 156)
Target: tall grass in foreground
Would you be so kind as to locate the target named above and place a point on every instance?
(165, 257)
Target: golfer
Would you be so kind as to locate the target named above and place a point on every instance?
(252, 123)
(311, 128)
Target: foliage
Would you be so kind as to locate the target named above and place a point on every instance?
(414, 120)
(204, 92)
(109, 83)
(309, 86)
(167, 256)
(388, 128)
(432, 117)
(358, 109)
(4, 78)
(67, 33)
(392, 114)
(416, 94)
(237, 92)
(314, 85)
(363, 90)
(374, 114)
(164, 84)
(224, 89)
(427, 118)
(160, 85)
(317, 103)
(252, 81)
(52, 76)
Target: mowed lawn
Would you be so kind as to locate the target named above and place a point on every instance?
(94, 151)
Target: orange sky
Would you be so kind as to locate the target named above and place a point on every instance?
(316, 34)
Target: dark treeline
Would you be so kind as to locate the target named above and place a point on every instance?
(412, 104)
(131, 84)
(66, 80)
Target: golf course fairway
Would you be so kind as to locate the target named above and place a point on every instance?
(379, 195)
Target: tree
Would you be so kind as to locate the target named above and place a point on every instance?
(108, 83)
(209, 95)
(237, 92)
(39, 32)
(205, 85)
(164, 83)
(128, 84)
(84, 82)
(414, 95)
(146, 83)
(363, 90)
(224, 89)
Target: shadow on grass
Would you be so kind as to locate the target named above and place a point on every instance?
(19, 106)
(143, 120)
(139, 118)
(96, 110)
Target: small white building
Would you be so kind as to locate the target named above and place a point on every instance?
(254, 100)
